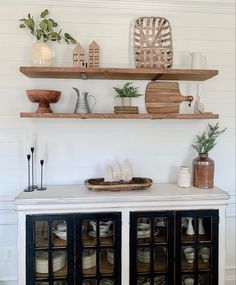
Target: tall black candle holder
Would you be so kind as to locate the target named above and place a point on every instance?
(29, 188)
(40, 188)
(32, 161)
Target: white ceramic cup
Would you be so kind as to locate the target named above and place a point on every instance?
(198, 61)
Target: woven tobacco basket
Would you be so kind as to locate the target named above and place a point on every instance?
(153, 43)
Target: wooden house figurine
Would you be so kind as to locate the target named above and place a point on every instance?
(94, 55)
(79, 56)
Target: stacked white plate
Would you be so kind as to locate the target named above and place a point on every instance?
(144, 255)
(89, 259)
(41, 262)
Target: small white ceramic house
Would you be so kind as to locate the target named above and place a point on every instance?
(94, 55)
(79, 56)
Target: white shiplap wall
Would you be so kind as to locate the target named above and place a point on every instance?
(78, 149)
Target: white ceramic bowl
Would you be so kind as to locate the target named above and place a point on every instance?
(41, 261)
(189, 254)
(61, 235)
(205, 253)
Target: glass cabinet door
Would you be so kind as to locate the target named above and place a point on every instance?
(98, 250)
(151, 248)
(49, 241)
(197, 247)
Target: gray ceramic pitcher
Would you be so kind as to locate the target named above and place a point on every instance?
(82, 105)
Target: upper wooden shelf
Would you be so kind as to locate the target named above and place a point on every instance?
(118, 73)
(118, 116)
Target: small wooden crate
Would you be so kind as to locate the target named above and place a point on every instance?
(153, 43)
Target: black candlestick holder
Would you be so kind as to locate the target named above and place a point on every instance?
(32, 154)
(40, 188)
(29, 188)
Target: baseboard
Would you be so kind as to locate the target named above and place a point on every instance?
(230, 276)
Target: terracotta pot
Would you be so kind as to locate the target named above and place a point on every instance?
(203, 171)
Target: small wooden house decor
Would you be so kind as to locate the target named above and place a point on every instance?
(94, 55)
(79, 56)
(153, 43)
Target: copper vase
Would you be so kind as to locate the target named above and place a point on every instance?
(203, 171)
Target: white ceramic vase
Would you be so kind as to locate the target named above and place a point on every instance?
(42, 54)
(190, 230)
(201, 230)
(184, 177)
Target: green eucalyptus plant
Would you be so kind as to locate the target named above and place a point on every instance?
(127, 91)
(207, 140)
(45, 30)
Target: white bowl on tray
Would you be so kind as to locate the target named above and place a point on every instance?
(41, 262)
(110, 256)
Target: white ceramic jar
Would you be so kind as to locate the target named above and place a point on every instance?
(184, 177)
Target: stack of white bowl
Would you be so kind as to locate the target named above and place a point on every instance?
(89, 259)
(144, 255)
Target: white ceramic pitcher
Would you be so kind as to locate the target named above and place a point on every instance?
(198, 61)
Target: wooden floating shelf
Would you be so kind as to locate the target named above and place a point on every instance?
(118, 116)
(118, 73)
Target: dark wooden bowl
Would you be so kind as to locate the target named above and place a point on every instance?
(44, 98)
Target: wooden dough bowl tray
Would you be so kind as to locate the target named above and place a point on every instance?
(137, 183)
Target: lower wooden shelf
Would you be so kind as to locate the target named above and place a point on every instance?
(118, 116)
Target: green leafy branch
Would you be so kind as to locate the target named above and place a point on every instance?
(127, 91)
(45, 29)
(207, 140)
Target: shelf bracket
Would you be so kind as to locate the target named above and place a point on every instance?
(84, 75)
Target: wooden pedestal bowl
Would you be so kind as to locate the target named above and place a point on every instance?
(44, 98)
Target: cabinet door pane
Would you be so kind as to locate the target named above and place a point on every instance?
(160, 259)
(143, 259)
(89, 282)
(59, 229)
(89, 262)
(41, 234)
(106, 261)
(59, 263)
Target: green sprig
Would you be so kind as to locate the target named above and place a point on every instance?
(45, 29)
(207, 140)
(127, 91)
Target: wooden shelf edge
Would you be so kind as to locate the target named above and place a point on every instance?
(117, 116)
(118, 73)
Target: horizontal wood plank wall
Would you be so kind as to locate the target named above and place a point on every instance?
(80, 149)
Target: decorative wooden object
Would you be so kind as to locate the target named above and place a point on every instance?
(118, 73)
(94, 55)
(44, 98)
(137, 183)
(164, 98)
(153, 43)
(79, 56)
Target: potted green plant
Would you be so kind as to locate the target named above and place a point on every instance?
(203, 166)
(127, 92)
(44, 32)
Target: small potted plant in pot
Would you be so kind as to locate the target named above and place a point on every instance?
(203, 166)
(127, 92)
(44, 32)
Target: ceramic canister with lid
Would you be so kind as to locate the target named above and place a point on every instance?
(184, 177)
